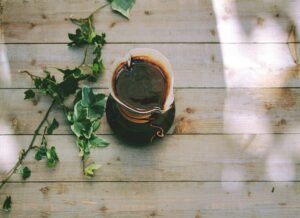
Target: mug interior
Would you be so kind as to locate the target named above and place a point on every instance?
(155, 58)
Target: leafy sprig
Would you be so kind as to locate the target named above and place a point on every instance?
(85, 120)
(58, 91)
(25, 152)
(85, 35)
(88, 108)
(44, 152)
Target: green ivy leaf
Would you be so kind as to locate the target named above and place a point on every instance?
(7, 204)
(96, 125)
(68, 86)
(76, 73)
(80, 112)
(88, 97)
(82, 129)
(40, 153)
(99, 41)
(25, 172)
(84, 34)
(97, 67)
(70, 117)
(89, 171)
(29, 94)
(96, 141)
(77, 129)
(83, 145)
(97, 109)
(47, 85)
(122, 6)
(91, 106)
(52, 157)
(54, 125)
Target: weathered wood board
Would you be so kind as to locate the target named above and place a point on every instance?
(233, 150)
(43, 21)
(199, 111)
(194, 65)
(235, 158)
(154, 199)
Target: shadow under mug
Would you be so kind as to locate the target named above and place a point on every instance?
(138, 124)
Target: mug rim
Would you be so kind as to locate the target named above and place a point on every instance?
(154, 57)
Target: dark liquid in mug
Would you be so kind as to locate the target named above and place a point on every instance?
(142, 85)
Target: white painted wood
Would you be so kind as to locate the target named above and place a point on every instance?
(162, 199)
(156, 21)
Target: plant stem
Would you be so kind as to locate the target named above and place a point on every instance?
(95, 11)
(83, 164)
(28, 73)
(85, 54)
(24, 154)
(33, 76)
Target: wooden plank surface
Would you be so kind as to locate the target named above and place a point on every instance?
(233, 149)
(194, 65)
(235, 158)
(186, 199)
(215, 111)
(187, 62)
(44, 21)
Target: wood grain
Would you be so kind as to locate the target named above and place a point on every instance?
(186, 199)
(233, 150)
(198, 111)
(43, 21)
(196, 66)
(192, 64)
(235, 158)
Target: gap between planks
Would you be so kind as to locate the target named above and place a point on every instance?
(169, 134)
(155, 181)
(180, 88)
(153, 43)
